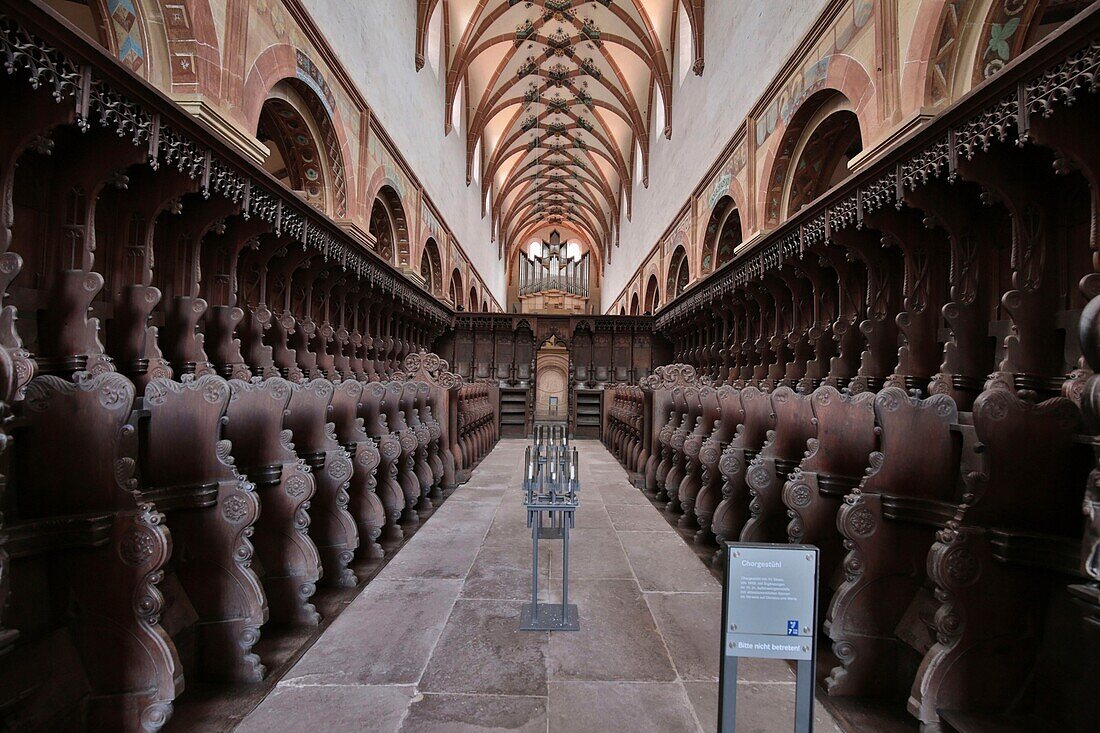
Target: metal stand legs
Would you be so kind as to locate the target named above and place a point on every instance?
(537, 616)
(550, 494)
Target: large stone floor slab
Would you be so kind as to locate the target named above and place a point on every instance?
(433, 642)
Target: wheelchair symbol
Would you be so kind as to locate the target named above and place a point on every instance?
(792, 628)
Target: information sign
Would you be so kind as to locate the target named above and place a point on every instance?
(769, 611)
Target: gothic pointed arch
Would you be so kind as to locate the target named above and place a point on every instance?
(635, 309)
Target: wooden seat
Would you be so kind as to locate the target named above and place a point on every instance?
(286, 558)
(996, 563)
(84, 556)
(889, 523)
(390, 494)
(732, 512)
(331, 526)
(692, 482)
(210, 509)
(363, 502)
(838, 455)
(730, 415)
(785, 446)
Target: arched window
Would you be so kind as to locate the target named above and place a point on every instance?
(456, 108)
(658, 113)
(305, 152)
(683, 43)
(389, 228)
(722, 236)
(477, 164)
(434, 47)
(634, 305)
(473, 298)
(484, 306)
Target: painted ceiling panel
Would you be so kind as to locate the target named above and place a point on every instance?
(559, 98)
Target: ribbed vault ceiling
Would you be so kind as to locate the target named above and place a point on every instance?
(560, 94)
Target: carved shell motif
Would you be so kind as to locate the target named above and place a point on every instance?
(671, 376)
(425, 366)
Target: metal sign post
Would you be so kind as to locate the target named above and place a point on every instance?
(769, 611)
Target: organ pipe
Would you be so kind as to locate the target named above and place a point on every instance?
(553, 269)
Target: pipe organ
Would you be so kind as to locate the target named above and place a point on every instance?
(552, 280)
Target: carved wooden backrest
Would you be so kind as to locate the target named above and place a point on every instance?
(711, 409)
(904, 466)
(372, 411)
(183, 445)
(429, 368)
(845, 433)
(1026, 464)
(730, 413)
(424, 403)
(679, 410)
(409, 391)
(670, 376)
(309, 416)
(758, 419)
(346, 398)
(793, 425)
(407, 402)
(392, 405)
(69, 458)
(255, 422)
(694, 398)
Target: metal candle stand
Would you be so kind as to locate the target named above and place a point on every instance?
(550, 488)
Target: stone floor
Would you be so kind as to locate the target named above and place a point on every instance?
(433, 644)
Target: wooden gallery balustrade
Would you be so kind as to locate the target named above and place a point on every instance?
(213, 400)
(903, 375)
